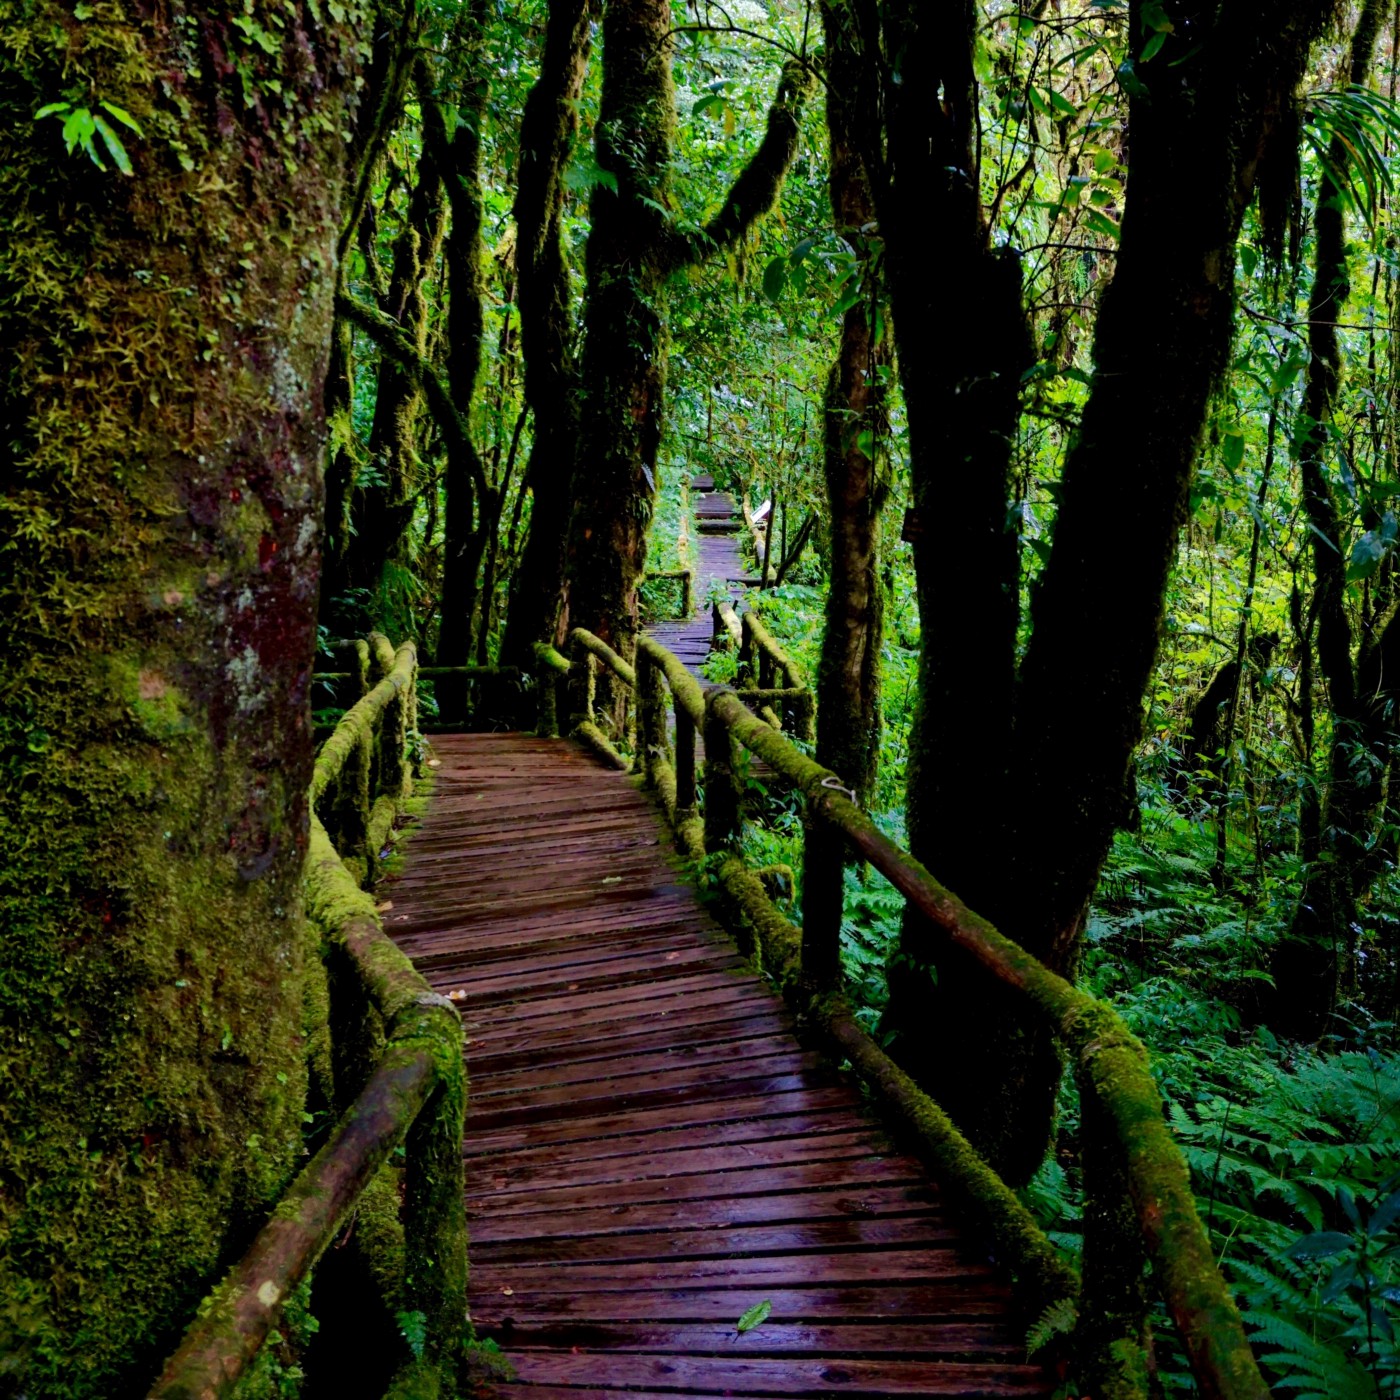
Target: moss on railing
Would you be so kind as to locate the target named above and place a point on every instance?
(414, 1092)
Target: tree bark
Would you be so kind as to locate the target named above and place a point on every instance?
(470, 501)
(160, 498)
(1028, 856)
(848, 675)
(547, 132)
(633, 248)
(1361, 695)
(383, 503)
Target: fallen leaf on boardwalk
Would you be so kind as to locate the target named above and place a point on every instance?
(671, 957)
(457, 994)
(435, 763)
(573, 986)
(400, 918)
(385, 907)
(754, 1316)
(509, 1292)
(612, 879)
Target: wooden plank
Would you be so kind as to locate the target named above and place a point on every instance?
(852, 1176)
(949, 1339)
(895, 1306)
(911, 1200)
(810, 1127)
(869, 1268)
(566, 1168)
(791, 1376)
(824, 1236)
(655, 1117)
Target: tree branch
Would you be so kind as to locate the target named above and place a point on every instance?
(389, 337)
(756, 190)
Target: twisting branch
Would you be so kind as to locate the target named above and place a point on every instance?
(389, 337)
(756, 190)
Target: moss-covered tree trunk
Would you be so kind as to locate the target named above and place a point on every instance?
(386, 495)
(159, 519)
(547, 132)
(633, 249)
(1017, 780)
(848, 678)
(396, 27)
(457, 153)
(1341, 862)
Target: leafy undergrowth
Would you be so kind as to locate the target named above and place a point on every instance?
(1294, 1151)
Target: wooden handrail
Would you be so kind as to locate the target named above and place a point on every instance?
(1110, 1064)
(414, 1091)
(687, 581)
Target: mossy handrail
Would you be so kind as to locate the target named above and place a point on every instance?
(1140, 1207)
(687, 581)
(761, 660)
(413, 1094)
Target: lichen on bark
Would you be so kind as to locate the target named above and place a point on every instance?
(159, 499)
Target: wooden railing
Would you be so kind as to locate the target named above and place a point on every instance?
(687, 582)
(461, 695)
(1139, 1207)
(399, 1055)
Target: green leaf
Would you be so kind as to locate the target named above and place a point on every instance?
(1232, 449)
(78, 131)
(1153, 46)
(1366, 556)
(1101, 224)
(1322, 1244)
(775, 278)
(52, 109)
(123, 116)
(756, 1314)
(113, 143)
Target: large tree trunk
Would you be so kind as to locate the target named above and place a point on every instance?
(457, 153)
(848, 677)
(633, 249)
(1307, 963)
(384, 501)
(547, 132)
(160, 472)
(1027, 853)
(396, 28)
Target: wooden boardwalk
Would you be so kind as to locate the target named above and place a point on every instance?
(717, 561)
(649, 1152)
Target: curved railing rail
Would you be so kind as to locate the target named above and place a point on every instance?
(1139, 1206)
(402, 1042)
(459, 693)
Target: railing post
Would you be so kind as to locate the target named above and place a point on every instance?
(580, 685)
(651, 716)
(685, 763)
(347, 815)
(723, 805)
(435, 1227)
(1111, 1336)
(823, 901)
(547, 702)
(804, 715)
(746, 651)
(687, 594)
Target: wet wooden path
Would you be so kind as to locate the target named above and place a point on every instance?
(649, 1152)
(718, 561)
